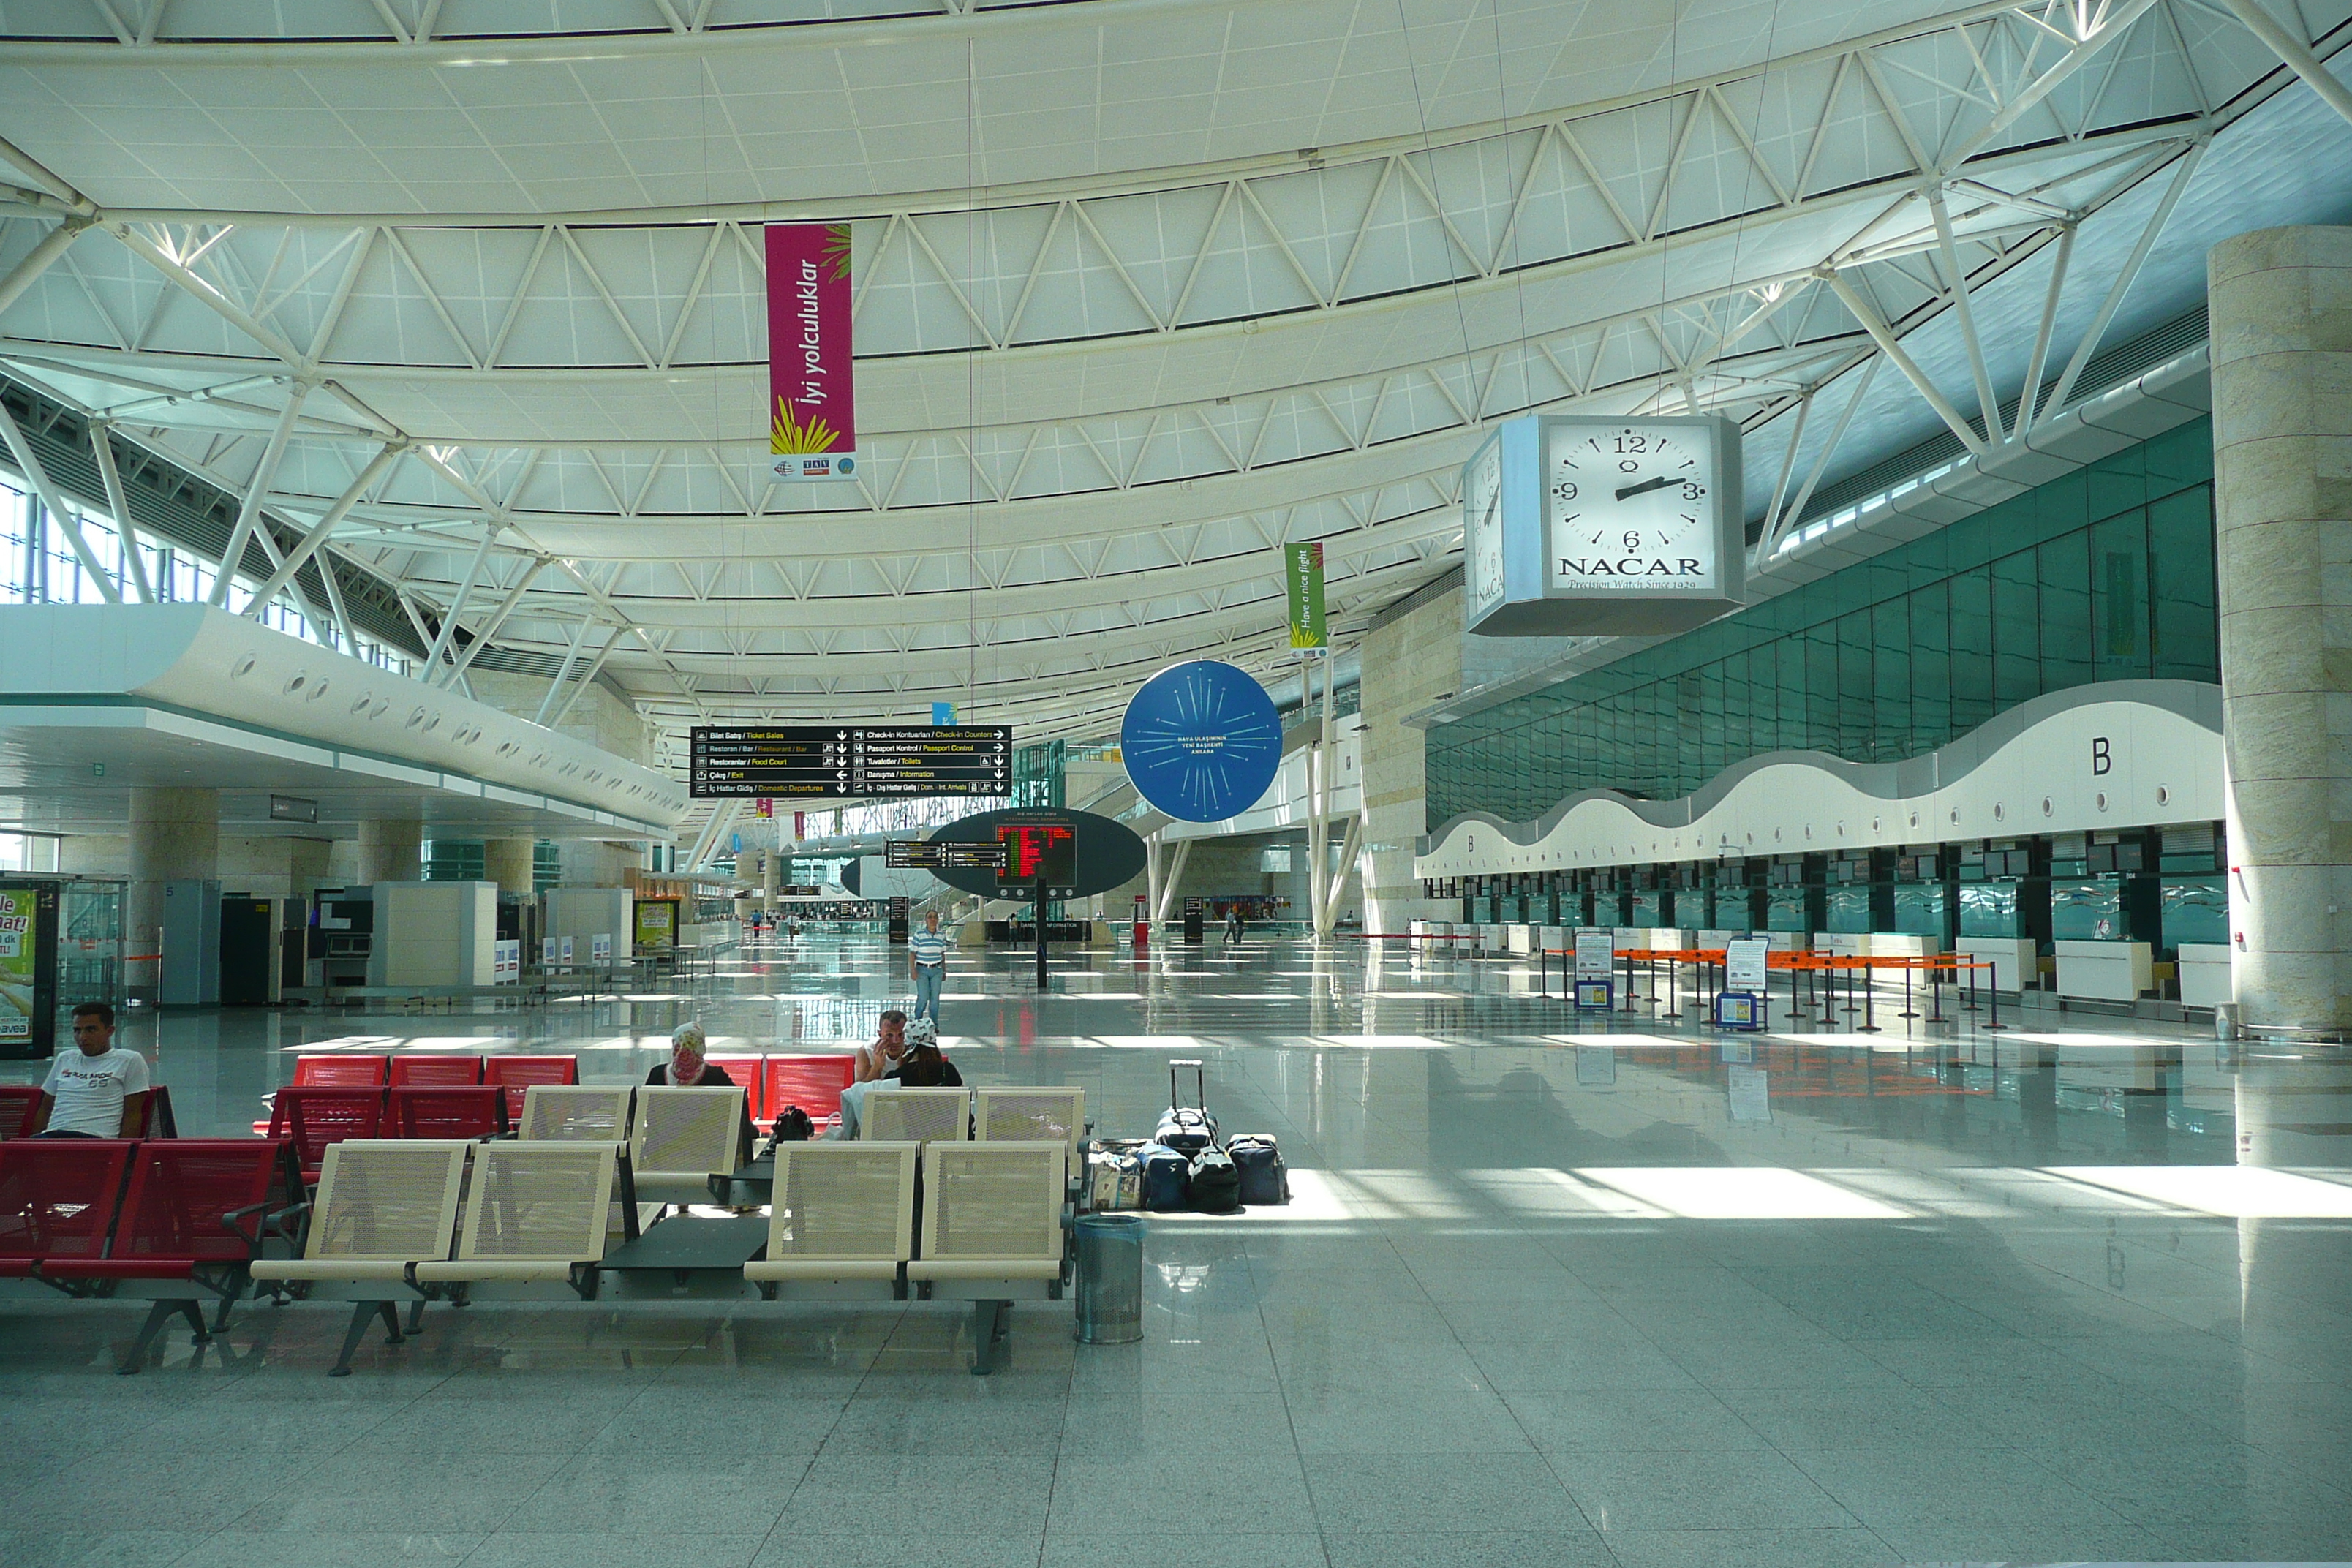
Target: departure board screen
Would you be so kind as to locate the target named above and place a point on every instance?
(811, 762)
(1037, 853)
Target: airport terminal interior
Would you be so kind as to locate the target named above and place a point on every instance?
(1037, 782)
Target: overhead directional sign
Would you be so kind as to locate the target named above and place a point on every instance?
(811, 762)
(942, 855)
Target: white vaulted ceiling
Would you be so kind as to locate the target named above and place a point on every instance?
(1146, 289)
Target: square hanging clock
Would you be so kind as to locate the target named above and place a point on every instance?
(1575, 525)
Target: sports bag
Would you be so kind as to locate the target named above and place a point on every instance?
(1265, 1178)
(1217, 1185)
(1167, 1178)
(794, 1126)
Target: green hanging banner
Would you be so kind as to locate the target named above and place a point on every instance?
(1303, 574)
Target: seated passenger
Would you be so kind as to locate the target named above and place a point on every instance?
(95, 1091)
(686, 1068)
(924, 1067)
(881, 1057)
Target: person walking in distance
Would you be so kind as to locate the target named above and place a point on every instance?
(927, 965)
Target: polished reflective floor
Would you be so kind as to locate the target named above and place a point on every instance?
(1555, 1288)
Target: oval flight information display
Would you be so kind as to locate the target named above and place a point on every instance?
(1201, 740)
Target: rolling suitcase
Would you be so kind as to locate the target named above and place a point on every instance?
(1187, 1129)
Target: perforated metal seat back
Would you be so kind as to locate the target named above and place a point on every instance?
(553, 1113)
(431, 1069)
(387, 1199)
(538, 1202)
(916, 1115)
(690, 1131)
(57, 1196)
(341, 1071)
(851, 1201)
(992, 1201)
(181, 1188)
(1032, 1115)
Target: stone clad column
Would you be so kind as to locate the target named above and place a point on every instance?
(508, 862)
(174, 837)
(2280, 305)
(391, 851)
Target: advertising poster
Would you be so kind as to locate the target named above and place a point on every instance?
(20, 934)
(812, 401)
(656, 925)
(1303, 577)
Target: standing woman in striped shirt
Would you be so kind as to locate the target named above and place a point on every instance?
(927, 965)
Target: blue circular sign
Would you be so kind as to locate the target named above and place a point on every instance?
(1202, 741)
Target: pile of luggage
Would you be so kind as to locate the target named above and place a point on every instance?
(1183, 1164)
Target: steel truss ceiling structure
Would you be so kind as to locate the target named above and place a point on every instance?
(1146, 289)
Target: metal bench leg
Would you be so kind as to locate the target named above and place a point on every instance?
(416, 1315)
(992, 1326)
(159, 1314)
(363, 1313)
(220, 1319)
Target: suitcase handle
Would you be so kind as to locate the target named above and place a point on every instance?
(1199, 1083)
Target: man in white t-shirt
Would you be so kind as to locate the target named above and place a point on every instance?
(93, 1091)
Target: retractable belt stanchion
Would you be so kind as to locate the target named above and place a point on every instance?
(1936, 995)
(1628, 1009)
(1869, 996)
(1906, 1012)
(1992, 985)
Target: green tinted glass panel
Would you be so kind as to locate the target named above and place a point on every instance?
(2086, 911)
(2193, 909)
(1847, 910)
(1919, 910)
(1990, 908)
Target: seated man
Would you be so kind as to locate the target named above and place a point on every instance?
(879, 1060)
(95, 1091)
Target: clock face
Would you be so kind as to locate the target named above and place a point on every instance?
(1482, 526)
(1632, 508)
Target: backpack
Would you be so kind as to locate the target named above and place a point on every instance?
(1215, 1185)
(794, 1126)
(1265, 1178)
(1167, 1178)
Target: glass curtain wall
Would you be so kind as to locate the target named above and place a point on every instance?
(2106, 574)
(38, 566)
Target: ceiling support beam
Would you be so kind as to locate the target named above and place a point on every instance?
(38, 476)
(133, 559)
(2124, 276)
(563, 670)
(2296, 53)
(310, 544)
(1880, 334)
(489, 629)
(449, 617)
(1957, 278)
(38, 260)
(587, 678)
(264, 475)
(1778, 530)
(2029, 395)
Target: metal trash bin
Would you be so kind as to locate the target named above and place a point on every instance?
(1110, 1279)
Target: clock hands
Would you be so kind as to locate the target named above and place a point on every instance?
(1661, 482)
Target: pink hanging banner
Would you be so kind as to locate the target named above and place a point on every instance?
(812, 401)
